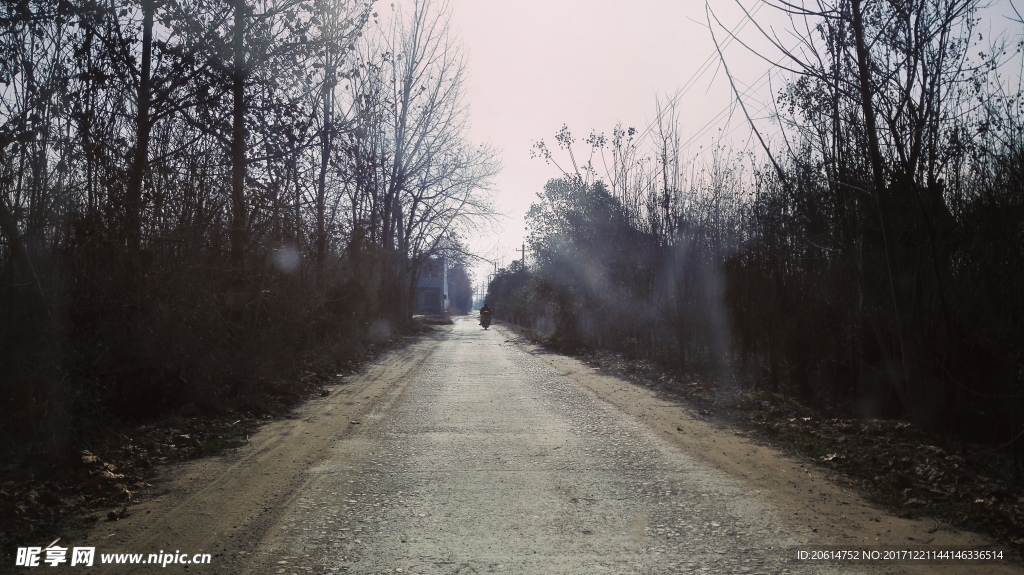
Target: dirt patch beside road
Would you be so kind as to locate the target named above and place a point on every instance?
(223, 505)
(830, 508)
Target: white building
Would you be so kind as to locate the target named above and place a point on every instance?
(432, 288)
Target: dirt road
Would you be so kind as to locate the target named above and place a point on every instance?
(468, 452)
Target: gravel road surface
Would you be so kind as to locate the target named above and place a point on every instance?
(470, 452)
(493, 462)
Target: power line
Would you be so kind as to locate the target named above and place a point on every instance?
(700, 71)
(757, 85)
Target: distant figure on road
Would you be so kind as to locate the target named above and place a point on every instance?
(485, 316)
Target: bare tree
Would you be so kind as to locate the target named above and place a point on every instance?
(421, 176)
(880, 96)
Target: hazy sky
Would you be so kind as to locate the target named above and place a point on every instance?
(537, 64)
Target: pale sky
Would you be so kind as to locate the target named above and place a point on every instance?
(537, 64)
(534, 65)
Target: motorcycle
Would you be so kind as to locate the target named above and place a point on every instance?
(485, 319)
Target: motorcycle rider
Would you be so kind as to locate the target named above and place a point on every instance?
(485, 312)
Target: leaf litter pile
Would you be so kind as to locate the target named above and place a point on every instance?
(101, 482)
(897, 465)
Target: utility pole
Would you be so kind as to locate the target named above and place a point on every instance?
(523, 250)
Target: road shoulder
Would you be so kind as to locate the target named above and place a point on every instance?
(224, 505)
(817, 500)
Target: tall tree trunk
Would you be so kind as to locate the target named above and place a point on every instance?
(325, 157)
(867, 106)
(238, 137)
(401, 263)
(140, 162)
(894, 356)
